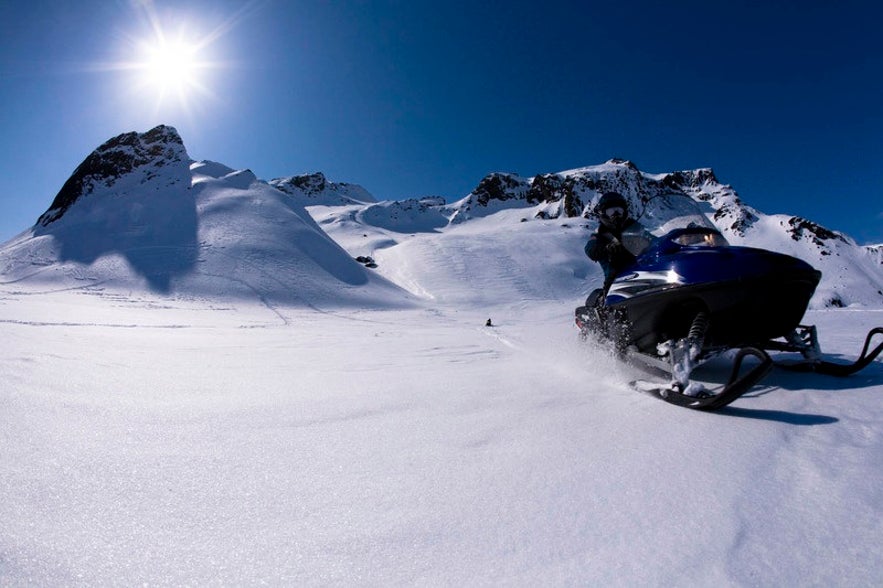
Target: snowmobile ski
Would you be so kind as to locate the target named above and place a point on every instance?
(830, 368)
(731, 391)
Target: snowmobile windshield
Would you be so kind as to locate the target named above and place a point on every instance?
(636, 239)
(668, 212)
(701, 238)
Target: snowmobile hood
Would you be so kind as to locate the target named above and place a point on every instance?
(701, 256)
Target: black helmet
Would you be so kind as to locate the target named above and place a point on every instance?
(612, 209)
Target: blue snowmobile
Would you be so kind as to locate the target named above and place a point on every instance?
(691, 297)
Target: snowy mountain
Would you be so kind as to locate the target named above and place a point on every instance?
(139, 211)
(315, 189)
(851, 273)
(201, 385)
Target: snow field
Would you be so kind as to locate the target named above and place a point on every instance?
(146, 443)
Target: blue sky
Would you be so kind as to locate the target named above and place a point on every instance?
(784, 100)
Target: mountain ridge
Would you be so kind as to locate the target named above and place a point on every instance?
(140, 197)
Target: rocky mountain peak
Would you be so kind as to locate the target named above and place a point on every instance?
(131, 154)
(622, 162)
(573, 193)
(802, 229)
(693, 178)
(306, 183)
(314, 188)
(498, 186)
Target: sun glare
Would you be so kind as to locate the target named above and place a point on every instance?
(171, 69)
(169, 73)
(172, 66)
(170, 59)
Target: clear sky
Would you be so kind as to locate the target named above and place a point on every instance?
(784, 100)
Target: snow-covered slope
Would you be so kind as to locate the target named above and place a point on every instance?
(139, 214)
(503, 208)
(492, 261)
(850, 274)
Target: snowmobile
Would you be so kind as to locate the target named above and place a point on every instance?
(691, 297)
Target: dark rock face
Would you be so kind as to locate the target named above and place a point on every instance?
(800, 228)
(497, 186)
(127, 153)
(315, 188)
(693, 179)
(309, 183)
(575, 192)
(545, 188)
(819, 234)
(555, 188)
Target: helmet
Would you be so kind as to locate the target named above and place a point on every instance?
(613, 210)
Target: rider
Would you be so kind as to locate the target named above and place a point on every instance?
(605, 245)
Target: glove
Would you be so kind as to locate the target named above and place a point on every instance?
(614, 246)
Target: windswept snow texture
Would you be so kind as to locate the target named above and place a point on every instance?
(150, 440)
(201, 385)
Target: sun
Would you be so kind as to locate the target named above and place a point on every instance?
(170, 61)
(170, 73)
(172, 68)
(169, 58)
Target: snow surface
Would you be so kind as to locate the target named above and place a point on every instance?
(174, 441)
(276, 413)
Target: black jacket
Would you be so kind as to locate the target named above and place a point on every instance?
(613, 258)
